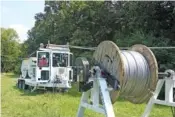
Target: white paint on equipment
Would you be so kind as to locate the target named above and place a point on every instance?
(169, 85)
(57, 73)
(100, 89)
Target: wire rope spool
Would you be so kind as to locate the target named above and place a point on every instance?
(82, 71)
(135, 69)
(82, 65)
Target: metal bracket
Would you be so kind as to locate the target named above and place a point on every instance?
(86, 87)
(169, 85)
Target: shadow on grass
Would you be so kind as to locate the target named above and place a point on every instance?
(28, 92)
(71, 92)
(120, 99)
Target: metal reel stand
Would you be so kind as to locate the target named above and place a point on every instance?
(100, 89)
(169, 85)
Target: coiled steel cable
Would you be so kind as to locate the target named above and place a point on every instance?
(136, 75)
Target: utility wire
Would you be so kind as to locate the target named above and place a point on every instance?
(162, 47)
(81, 47)
(94, 48)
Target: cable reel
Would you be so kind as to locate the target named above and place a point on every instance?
(134, 70)
(131, 74)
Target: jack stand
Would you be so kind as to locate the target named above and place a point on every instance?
(34, 88)
(169, 85)
(99, 89)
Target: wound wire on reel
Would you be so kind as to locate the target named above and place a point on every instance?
(137, 75)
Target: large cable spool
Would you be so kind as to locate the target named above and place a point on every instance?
(135, 69)
(82, 71)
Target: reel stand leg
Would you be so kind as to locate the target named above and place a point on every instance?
(169, 85)
(99, 89)
(151, 101)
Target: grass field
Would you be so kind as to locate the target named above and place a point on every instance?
(17, 103)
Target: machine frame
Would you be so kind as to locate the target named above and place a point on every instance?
(55, 80)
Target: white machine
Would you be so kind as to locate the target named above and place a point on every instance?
(52, 67)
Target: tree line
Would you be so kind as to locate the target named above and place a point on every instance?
(86, 23)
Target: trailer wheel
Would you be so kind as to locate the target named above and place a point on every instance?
(23, 85)
(19, 84)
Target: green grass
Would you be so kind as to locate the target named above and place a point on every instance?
(17, 103)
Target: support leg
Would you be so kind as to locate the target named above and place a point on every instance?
(106, 100)
(95, 92)
(99, 90)
(84, 99)
(34, 88)
(153, 98)
(169, 91)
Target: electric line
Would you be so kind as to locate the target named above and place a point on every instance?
(94, 48)
(162, 47)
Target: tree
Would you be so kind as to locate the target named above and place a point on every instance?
(10, 49)
(86, 23)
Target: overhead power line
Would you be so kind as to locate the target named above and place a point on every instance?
(94, 48)
(162, 47)
(81, 47)
(91, 48)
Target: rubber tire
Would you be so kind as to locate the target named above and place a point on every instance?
(23, 84)
(19, 84)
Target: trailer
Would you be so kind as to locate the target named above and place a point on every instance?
(50, 68)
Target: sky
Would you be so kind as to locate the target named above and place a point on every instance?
(19, 15)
